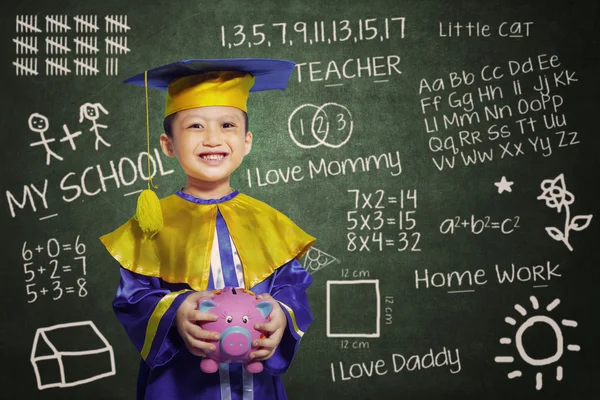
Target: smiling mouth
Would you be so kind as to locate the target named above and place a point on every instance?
(212, 156)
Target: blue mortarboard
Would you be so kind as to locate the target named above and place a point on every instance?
(223, 82)
(269, 74)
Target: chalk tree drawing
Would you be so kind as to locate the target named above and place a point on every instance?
(556, 195)
(537, 318)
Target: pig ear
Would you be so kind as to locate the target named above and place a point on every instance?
(265, 308)
(206, 305)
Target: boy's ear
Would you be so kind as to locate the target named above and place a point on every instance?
(166, 145)
(248, 142)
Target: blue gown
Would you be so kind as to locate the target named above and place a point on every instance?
(167, 369)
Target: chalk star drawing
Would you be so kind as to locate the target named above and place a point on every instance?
(315, 260)
(556, 195)
(504, 185)
(537, 318)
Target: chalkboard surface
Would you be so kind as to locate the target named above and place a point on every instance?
(444, 154)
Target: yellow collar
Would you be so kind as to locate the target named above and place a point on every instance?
(180, 253)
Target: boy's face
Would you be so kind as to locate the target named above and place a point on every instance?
(209, 142)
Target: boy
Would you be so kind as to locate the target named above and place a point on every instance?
(208, 236)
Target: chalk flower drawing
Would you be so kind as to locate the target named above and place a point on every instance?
(556, 195)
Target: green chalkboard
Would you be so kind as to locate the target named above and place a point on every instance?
(444, 155)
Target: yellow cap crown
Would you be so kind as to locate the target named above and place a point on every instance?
(215, 88)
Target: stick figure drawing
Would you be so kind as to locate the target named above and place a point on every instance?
(39, 123)
(91, 112)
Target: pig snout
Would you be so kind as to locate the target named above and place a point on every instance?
(235, 341)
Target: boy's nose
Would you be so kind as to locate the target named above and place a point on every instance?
(212, 138)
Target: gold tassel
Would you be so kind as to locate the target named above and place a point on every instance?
(148, 212)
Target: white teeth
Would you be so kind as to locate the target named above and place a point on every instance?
(212, 157)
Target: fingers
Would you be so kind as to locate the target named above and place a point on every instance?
(192, 315)
(199, 341)
(277, 318)
(196, 352)
(262, 354)
(270, 326)
(268, 343)
(201, 345)
(196, 296)
(192, 312)
(198, 333)
(199, 348)
(190, 306)
(202, 316)
(266, 348)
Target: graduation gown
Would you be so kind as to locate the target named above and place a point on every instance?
(208, 244)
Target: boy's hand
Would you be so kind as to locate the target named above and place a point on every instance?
(273, 331)
(186, 320)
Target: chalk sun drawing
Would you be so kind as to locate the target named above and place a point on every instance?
(556, 195)
(538, 317)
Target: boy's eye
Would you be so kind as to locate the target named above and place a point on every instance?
(228, 125)
(195, 126)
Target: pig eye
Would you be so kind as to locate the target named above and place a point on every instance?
(245, 318)
(229, 318)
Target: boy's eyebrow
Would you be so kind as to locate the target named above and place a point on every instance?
(228, 116)
(219, 117)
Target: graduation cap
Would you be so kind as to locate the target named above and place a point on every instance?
(203, 83)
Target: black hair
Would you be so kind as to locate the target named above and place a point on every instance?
(168, 123)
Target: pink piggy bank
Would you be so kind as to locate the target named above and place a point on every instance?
(238, 310)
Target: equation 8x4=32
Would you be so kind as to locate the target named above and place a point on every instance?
(478, 225)
(403, 241)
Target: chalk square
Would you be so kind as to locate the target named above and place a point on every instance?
(48, 371)
(348, 301)
(371, 285)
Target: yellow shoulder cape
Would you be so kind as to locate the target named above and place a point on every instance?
(180, 253)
